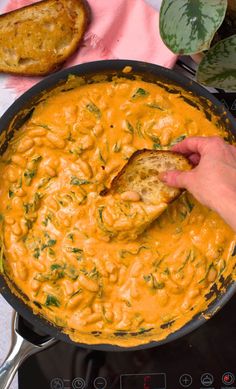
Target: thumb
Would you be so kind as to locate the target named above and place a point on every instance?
(176, 178)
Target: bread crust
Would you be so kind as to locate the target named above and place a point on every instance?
(117, 183)
(52, 66)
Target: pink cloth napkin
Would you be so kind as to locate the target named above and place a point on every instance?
(120, 29)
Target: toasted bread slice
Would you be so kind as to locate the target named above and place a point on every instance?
(139, 184)
(141, 172)
(39, 38)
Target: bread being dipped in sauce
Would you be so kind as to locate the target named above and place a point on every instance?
(137, 196)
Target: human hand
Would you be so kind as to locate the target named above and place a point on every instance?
(212, 181)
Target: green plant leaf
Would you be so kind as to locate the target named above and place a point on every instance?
(188, 26)
(218, 67)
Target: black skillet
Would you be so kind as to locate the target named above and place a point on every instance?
(21, 110)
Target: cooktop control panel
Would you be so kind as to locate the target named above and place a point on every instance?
(150, 381)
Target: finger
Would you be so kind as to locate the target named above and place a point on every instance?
(176, 178)
(192, 145)
(194, 159)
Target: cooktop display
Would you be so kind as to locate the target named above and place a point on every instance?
(203, 359)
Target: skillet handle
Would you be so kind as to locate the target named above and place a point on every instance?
(20, 350)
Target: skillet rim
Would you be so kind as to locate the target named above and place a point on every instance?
(138, 67)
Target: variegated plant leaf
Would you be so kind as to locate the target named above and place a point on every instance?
(188, 26)
(218, 67)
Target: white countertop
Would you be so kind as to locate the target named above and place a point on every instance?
(5, 309)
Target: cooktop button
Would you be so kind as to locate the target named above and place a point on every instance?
(186, 380)
(78, 383)
(207, 379)
(100, 383)
(228, 378)
(57, 383)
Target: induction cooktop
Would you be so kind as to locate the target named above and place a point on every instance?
(204, 359)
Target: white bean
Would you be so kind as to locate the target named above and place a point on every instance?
(9, 220)
(88, 284)
(130, 196)
(18, 160)
(16, 229)
(50, 171)
(25, 145)
(22, 271)
(56, 141)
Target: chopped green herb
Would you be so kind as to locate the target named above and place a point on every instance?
(206, 274)
(105, 315)
(142, 330)
(166, 271)
(56, 266)
(130, 127)
(79, 291)
(74, 250)
(36, 252)
(42, 125)
(77, 181)
(156, 146)
(52, 301)
(37, 159)
(123, 252)
(139, 129)
(71, 237)
(127, 302)
(140, 92)
(49, 243)
(182, 215)
(101, 157)
(156, 142)
(72, 273)
(101, 222)
(10, 193)
(155, 138)
(189, 256)
(177, 140)
(46, 220)
(1, 218)
(32, 207)
(76, 151)
(70, 138)
(117, 147)
(153, 282)
(44, 182)
(51, 251)
(91, 107)
(100, 212)
(29, 175)
(29, 223)
(155, 106)
(188, 203)
(93, 274)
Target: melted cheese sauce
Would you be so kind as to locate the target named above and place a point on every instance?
(55, 227)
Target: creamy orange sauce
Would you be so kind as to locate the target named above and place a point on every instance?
(55, 227)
